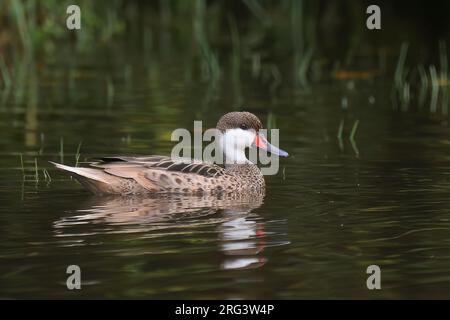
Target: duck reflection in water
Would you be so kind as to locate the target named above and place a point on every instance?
(240, 232)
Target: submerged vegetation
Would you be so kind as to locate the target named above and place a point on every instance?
(432, 83)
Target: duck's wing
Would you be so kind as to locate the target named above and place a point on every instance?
(163, 163)
(154, 174)
(164, 174)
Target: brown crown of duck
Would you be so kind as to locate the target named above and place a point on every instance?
(164, 175)
(243, 120)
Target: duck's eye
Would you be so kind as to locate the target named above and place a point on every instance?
(244, 126)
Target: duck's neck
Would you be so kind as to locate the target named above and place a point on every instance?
(235, 158)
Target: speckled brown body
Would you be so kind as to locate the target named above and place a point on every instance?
(157, 174)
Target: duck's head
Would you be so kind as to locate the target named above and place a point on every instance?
(241, 130)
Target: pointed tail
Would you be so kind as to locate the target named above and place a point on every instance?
(95, 180)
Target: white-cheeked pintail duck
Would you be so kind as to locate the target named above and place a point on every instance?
(163, 175)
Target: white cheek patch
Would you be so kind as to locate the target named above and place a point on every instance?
(234, 142)
(239, 138)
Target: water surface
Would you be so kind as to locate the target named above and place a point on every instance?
(337, 205)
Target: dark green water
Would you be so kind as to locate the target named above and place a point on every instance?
(335, 208)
